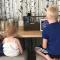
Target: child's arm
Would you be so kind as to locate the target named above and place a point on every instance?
(4, 40)
(44, 43)
(19, 46)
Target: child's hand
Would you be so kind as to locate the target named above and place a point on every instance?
(21, 51)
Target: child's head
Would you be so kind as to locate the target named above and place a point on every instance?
(10, 29)
(52, 12)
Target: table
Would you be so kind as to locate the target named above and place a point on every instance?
(30, 36)
(25, 34)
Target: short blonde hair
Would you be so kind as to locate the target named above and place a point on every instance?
(52, 11)
(10, 29)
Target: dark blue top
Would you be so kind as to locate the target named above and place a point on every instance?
(52, 34)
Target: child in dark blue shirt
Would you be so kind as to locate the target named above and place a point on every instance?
(51, 35)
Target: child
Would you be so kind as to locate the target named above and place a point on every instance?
(51, 36)
(11, 45)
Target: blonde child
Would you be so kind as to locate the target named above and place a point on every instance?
(51, 35)
(11, 45)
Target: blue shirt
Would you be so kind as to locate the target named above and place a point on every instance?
(52, 34)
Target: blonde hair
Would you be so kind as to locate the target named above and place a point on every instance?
(10, 29)
(52, 11)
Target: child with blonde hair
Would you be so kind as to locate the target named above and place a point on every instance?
(51, 36)
(11, 45)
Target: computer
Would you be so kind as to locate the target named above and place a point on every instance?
(29, 25)
(43, 24)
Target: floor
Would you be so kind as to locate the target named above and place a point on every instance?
(21, 57)
(12, 58)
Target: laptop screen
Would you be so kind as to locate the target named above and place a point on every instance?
(43, 24)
